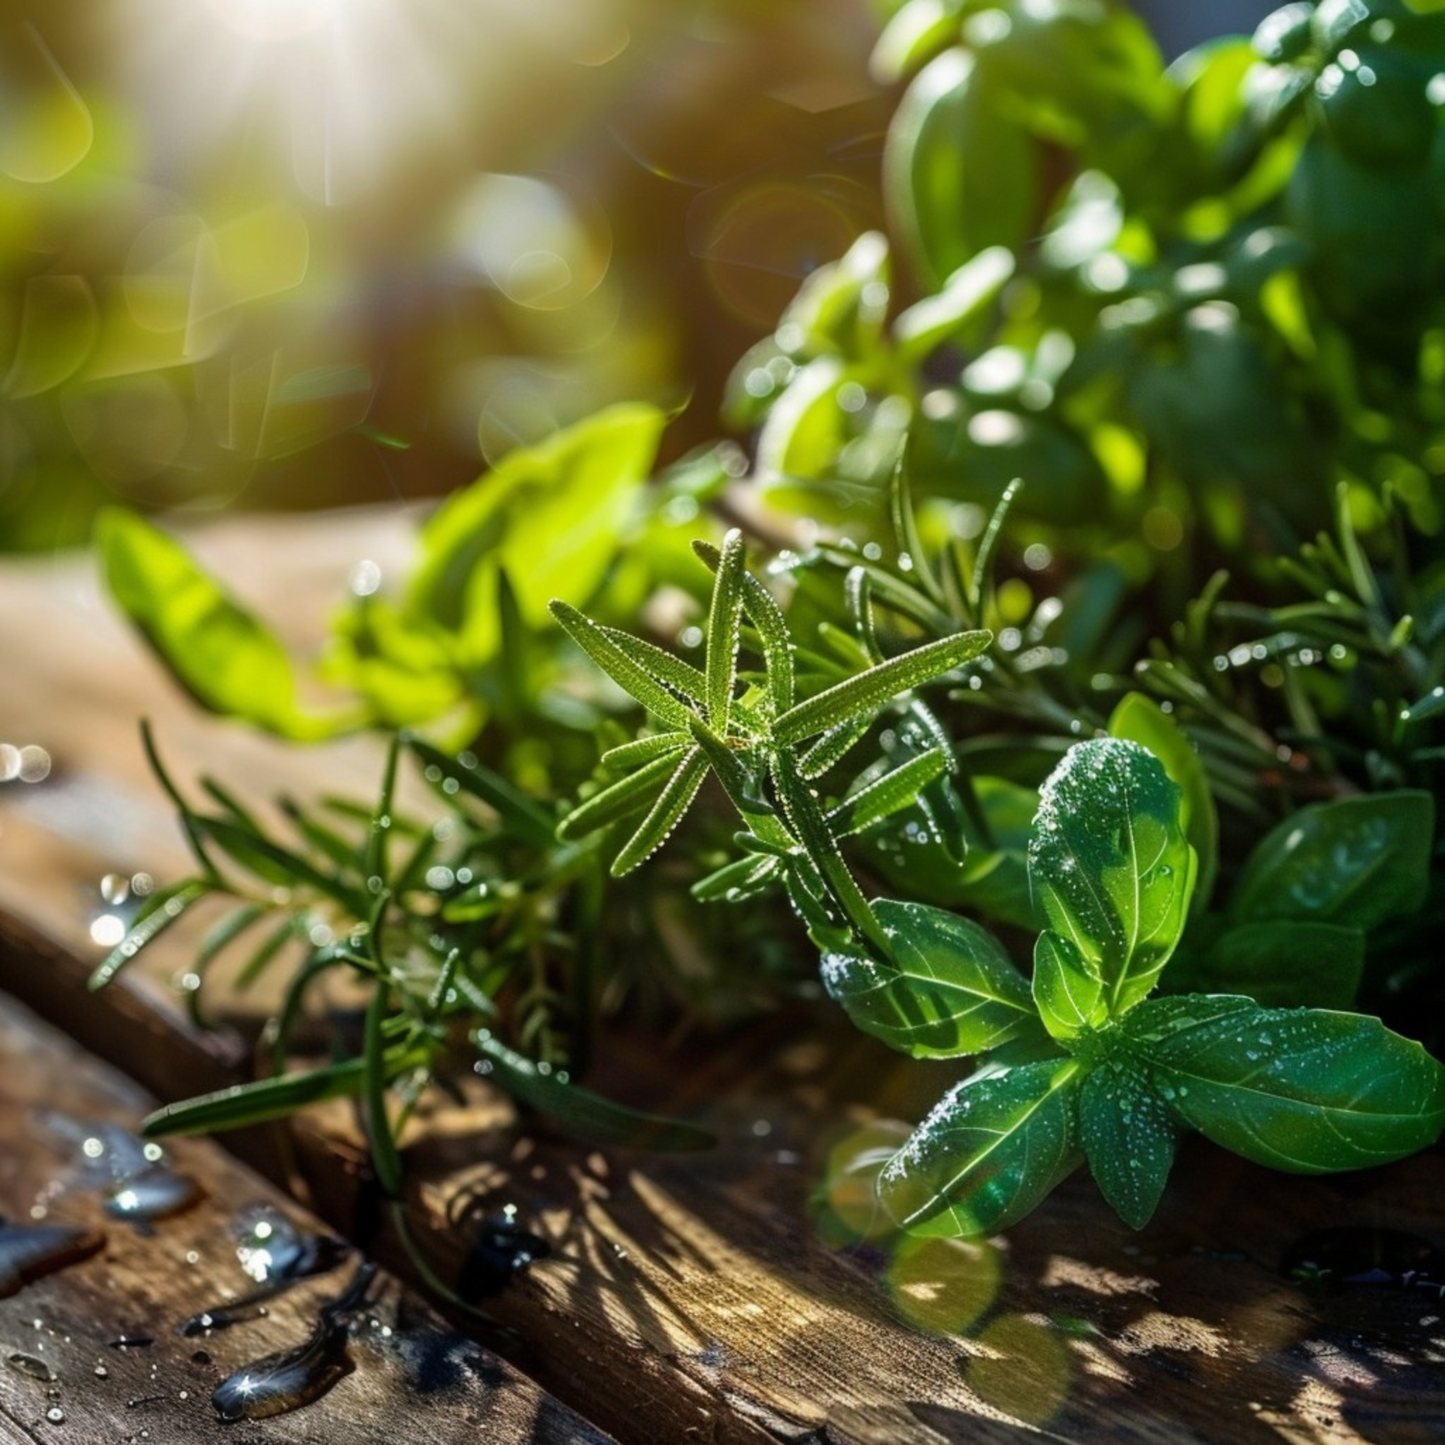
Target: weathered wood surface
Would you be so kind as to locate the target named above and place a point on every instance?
(63, 1374)
(697, 1298)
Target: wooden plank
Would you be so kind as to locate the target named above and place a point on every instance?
(699, 1298)
(63, 1373)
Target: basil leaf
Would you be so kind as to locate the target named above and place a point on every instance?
(1111, 865)
(1304, 1090)
(580, 1111)
(1128, 1136)
(1068, 996)
(990, 1151)
(227, 660)
(1141, 720)
(954, 990)
(1358, 861)
(1286, 964)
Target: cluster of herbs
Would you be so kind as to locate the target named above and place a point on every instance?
(1104, 601)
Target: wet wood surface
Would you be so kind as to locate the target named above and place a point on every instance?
(713, 1297)
(93, 1350)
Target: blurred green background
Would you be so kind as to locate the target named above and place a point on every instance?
(298, 253)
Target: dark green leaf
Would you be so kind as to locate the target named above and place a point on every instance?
(1296, 964)
(990, 1151)
(896, 789)
(1128, 1136)
(953, 989)
(1304, 1090)
(271, 862)
(1357, 862)
(255, 1103)
(581, 1112)
(498, 793)
(1110, 864)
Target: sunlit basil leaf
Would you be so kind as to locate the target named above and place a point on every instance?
(839, 309)
(581, 1112)
(959, 174)
(1141, 720)
(953, 989)
(1068, 996)
(914, 33)
(964, 298)
(1128, 1135)
(867, 691)
(806, 428)
(1357, 862)
(1111, 865)
(990, 1151)
(550, 514)
(1304, 1090)
(223, 656)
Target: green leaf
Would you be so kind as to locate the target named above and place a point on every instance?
(581, 1112)
(1294, 964)
(602, 645)
(959, 174)
(672, 802)
(868, 691)
(724, 625)
(1304, 1090)
(1357, 862)
(1128, 1136)
(498, 793)
(550, 515)
(1141, 720)
(164, 909)
(265, 1099)
(953, 989)
(840, 308)
(766, 616)
(274, 864)
(1111, 865)
(219, 652)
(927, 324)
(894, 790)
(623, 799)
(1068, 996)
(990, 1151)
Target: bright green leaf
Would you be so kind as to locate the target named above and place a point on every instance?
(1068, 996)
(953, 989)
(1304, 1090)
(223, 656)
(1111, 865)
(1141, 720)
(990, 1151)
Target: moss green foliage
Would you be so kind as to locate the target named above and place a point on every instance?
(1076, 683)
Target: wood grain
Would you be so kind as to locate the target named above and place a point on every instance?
(711, 1297)
(62, 1373)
